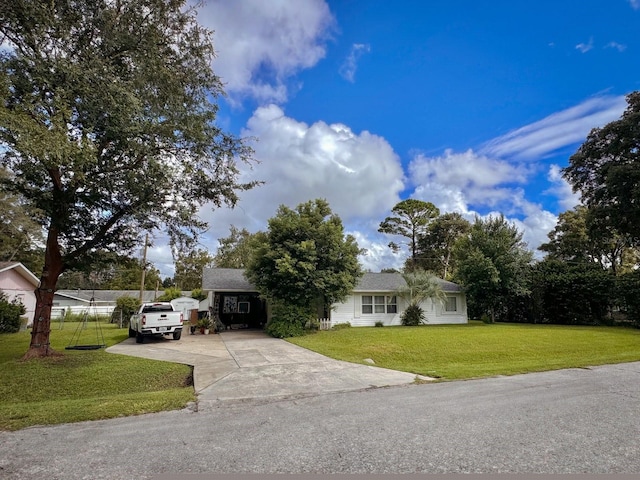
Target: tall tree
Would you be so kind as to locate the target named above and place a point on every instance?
(581, 237)
(235, 250)
(21, 233)
(107, 126)
(305, 258)
(435, 247)
(189, 267)
(606, 171)
(412, 217)
(493, 265)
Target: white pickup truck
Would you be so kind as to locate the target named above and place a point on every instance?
(157, 318)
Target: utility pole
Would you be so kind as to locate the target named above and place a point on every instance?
(144, 265)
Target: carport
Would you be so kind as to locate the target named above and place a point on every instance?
(233, 299)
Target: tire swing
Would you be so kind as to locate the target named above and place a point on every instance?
(82, 325)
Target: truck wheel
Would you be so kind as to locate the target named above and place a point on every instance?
(132, 333)
(139, 337)
(177, 334)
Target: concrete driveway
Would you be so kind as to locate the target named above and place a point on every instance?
(247, 365)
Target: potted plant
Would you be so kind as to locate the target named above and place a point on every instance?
(205, 325)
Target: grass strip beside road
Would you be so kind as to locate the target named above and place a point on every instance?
(84, 384)
(476, 350)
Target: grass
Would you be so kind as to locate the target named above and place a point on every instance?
(84, 385)
(475, 350)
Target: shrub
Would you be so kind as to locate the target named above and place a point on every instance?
(10, 313)
(198, 294)
(340, 326)
(379, 324)
(412, 316)
(169, 294)
(288, 320)
(128, 306)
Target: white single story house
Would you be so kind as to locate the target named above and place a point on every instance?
(374, 300)
(236, 301)
(19, 284)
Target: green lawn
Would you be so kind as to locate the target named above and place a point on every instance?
(84, 385)
(477, 350)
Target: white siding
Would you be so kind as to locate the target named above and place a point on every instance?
(351, 311)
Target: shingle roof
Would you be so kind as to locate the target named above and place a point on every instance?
(233, 280)
(388, 282)
(226, 279)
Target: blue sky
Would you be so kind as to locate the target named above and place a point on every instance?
(474, 106)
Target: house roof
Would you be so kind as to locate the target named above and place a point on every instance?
(389, 282)
(226, 279)
(110, 296)
(233, 280)
(22, 270)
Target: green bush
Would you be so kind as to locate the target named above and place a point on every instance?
(379, 324)
(572, 294)
(288, 320)
(198, 294)
(10, 313)
(628, 292)
(340, 326)
(128, 306)
(412, 316)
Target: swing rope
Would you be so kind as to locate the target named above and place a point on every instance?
(100, 343)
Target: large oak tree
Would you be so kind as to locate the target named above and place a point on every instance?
(305, 259)
(606, 172)
(493, 264)
(107, 126)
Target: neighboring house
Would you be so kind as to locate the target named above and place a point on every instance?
(374, 300)
(19, 284)
(236, 301)
(104, 301)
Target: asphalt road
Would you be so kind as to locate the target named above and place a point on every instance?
(568, 421)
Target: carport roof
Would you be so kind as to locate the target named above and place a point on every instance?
(226, 279)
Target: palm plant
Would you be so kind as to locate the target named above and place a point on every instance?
(419, 286)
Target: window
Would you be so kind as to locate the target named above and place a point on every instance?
(379, 304)
(392, 304)
(243, 307)
(367, 304)
(451, 304)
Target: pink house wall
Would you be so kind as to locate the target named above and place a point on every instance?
(14, 286)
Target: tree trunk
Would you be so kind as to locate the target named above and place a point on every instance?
(53, 267)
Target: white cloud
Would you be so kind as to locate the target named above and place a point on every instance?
(454, 180)
(558, 130)
(159, 254)
(350, 65)
(358, 174)
(468, 182)
(378, 255)
(618, 46)
(561, 189)
(259, 44)
(585, 47)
